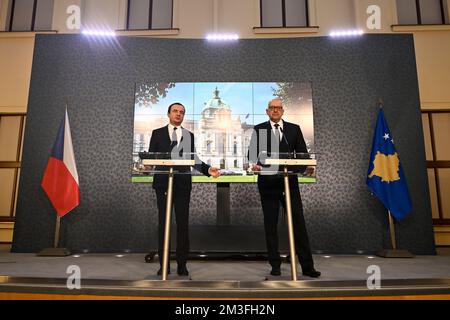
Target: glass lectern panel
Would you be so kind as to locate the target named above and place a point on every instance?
(302, 164)
(161, 162)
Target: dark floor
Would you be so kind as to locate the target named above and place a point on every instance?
(129, 275)
(133, 267)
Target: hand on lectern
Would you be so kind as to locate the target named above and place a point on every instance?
(215, 172)
(256, 167)
(310, 171)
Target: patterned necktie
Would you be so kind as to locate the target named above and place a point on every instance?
(174, 142)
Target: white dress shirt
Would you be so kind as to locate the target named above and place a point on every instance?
(280, 123)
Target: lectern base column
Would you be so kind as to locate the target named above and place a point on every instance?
(287, 195)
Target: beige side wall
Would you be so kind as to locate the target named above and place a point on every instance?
(6, 231)
(433, 63)
(442, 235)
(16, 54)
(335, 14)
(195, 18)
(9, 138)
(237, 16)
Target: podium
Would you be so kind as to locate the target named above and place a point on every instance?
(169, 165)
(286, 161)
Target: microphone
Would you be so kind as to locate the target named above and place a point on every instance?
(284, 138)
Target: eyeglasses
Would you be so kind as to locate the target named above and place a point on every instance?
(272, 108)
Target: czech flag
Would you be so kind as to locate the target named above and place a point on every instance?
(60, 181)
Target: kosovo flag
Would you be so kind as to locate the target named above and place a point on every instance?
(385, 175)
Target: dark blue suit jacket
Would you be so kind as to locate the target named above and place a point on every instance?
(292, 141)
(161, 142)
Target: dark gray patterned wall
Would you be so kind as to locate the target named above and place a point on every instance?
(98, 77)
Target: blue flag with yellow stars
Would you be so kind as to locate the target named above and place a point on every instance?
(385, 175)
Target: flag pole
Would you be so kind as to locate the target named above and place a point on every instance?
(394, 252)
(392, 231)
(380, 103)
(57, 228)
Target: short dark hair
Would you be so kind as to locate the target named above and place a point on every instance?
(174, 104)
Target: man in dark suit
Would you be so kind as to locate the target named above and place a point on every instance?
(268, 139)
(175, 140)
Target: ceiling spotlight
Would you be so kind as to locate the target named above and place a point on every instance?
(222, 37)
(99, 33)
(346, 33)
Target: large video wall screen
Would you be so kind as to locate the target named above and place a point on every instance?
(222, 116)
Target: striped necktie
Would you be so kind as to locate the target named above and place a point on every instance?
(174, 141)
